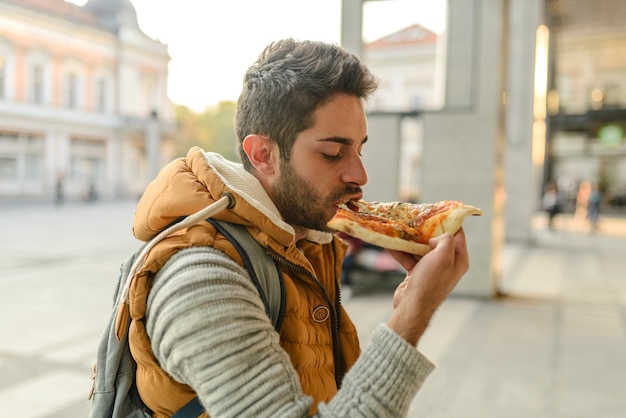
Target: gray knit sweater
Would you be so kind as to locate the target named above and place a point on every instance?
(209, 329)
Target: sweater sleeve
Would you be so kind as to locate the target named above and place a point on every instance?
(208, 328)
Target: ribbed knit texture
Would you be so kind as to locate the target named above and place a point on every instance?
(224, 346)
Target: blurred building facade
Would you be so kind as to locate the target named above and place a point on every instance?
(83, 100)
(586, 140)
(407, 65)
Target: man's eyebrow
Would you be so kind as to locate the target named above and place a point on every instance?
(342, 140)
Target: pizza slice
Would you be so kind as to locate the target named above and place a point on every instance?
(401, 226)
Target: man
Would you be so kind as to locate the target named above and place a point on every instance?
(199, 326)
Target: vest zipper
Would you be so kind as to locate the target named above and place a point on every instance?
(340, 368)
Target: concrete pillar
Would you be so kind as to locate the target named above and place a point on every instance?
(464, 143)
(352, 26)
(153, 146)
(115, 182)
(522, 186)
(381, 157)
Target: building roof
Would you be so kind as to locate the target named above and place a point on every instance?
(61, 9)
(114, 14)
(409, 36)
(107, 15)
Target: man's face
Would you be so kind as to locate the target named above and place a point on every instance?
(325, 167)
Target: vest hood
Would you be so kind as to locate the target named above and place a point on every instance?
(188, 185)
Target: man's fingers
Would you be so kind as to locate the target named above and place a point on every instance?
(460, 244)
(406, 260)
(440, 240)
(454, 244)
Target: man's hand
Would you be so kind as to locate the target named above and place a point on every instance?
(429, 280)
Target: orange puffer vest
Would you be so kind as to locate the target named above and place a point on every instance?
(313, 325)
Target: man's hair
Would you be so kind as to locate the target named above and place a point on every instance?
(288, 82)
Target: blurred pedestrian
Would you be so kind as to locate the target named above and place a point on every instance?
(91, 194)
(582, 201)
(551, 203)
(593, 206)
(58, 190)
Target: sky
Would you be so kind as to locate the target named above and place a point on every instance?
(212, 42)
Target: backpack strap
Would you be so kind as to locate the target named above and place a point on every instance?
(191, 409)
(264, 272)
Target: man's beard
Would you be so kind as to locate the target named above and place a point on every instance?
(300, 204)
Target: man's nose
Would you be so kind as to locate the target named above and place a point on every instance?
(356, 173)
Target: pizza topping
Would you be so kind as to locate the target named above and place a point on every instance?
(391, 220)
(400, 225)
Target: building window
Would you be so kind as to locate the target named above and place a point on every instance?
(87, 164)
(8, 168)
(72, 91)
(9, 144)
(3, 77)
(149, 95)
(32, 165)
(612, 95)
(8, 139)
(101, 95)
(37, 83)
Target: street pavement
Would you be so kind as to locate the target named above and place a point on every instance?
(553, 345)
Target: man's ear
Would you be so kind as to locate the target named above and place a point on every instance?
(262, 153)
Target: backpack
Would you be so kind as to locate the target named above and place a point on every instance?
(113, 391)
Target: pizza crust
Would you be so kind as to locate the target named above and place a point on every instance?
(392, 243)
(454, 220)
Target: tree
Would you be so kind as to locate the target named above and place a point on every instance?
(212, 129)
